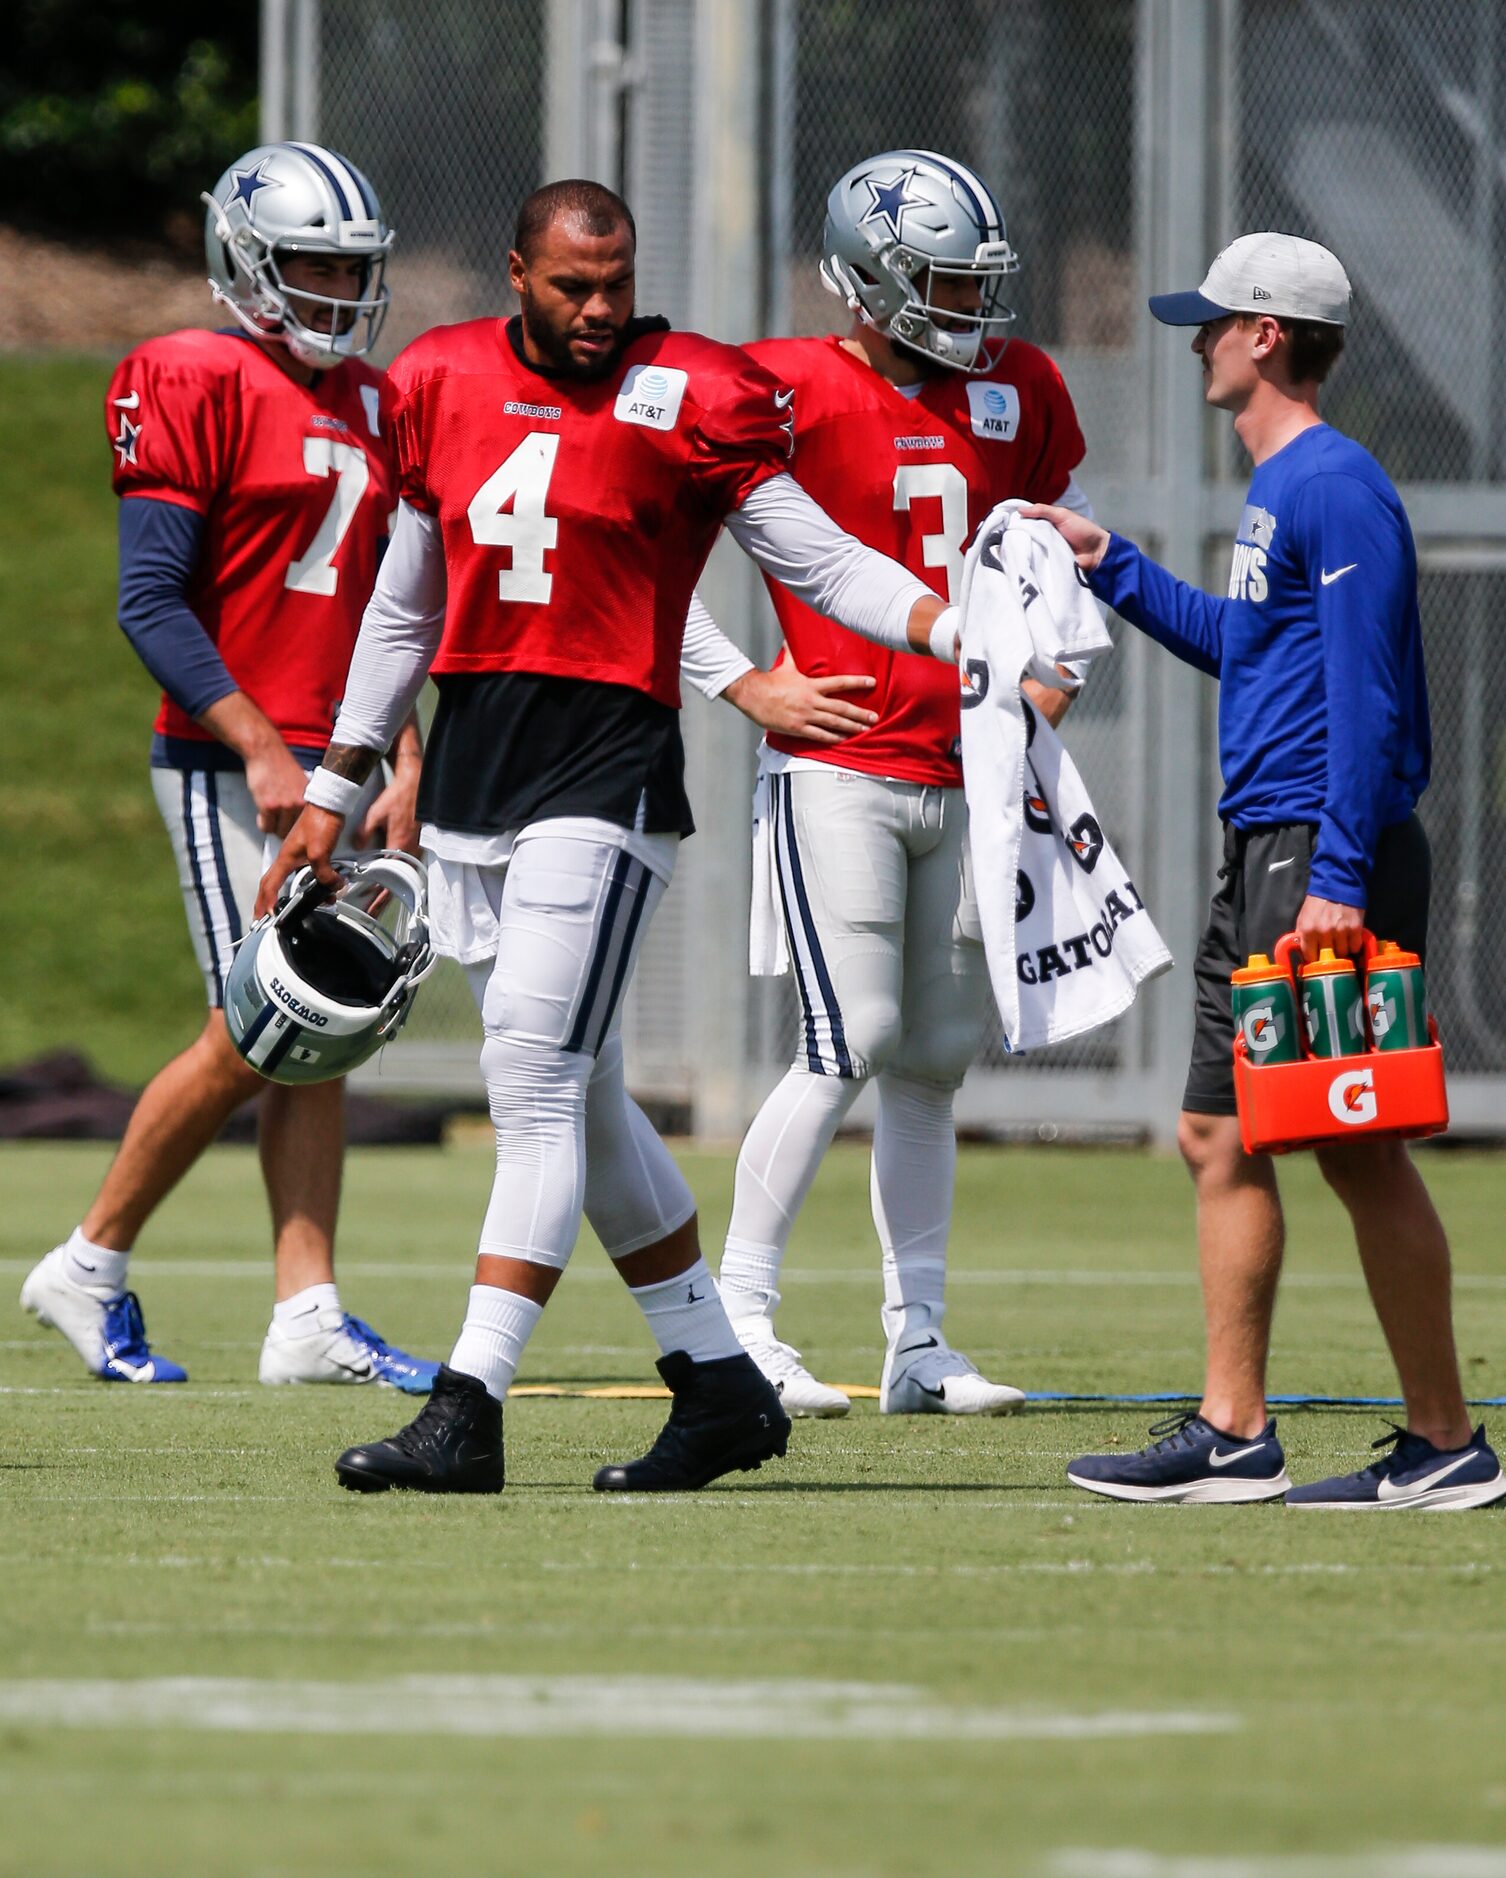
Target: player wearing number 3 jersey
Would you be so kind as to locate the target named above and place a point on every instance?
(257, 469)
(908, 430)
(564, 475)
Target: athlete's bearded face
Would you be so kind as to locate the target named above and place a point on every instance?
(575, 290)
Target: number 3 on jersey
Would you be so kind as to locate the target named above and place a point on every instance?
(915, 482)
(523, 480)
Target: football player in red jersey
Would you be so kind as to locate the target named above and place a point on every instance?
(909, 429)
(256, 468)
(564, 475)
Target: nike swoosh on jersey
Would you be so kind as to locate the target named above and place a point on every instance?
(1278, 864)
(1338, 573)
(130, 403)
(1215, 1459)
(782, 400)
(1397, 1491)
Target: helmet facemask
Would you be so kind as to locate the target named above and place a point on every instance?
(900, 224)
(269, 308)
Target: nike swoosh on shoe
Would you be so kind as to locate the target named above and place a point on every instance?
(1215, 1459)
(1394, 1490)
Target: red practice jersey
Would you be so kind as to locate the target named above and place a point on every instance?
(296, 486)
(913, 477)
(577, 514)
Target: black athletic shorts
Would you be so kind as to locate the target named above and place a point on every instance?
(1261, 887)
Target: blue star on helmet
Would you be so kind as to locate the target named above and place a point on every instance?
(247, 182)
(888, 201)
(125, 440)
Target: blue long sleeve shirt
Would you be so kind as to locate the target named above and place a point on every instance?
(159, 550)
(1323, 703)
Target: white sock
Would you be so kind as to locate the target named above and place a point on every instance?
(775, 1167)
(299, 1315)
(687, 1313)
(94, 1266)
(490, 1346)
(911, 1185)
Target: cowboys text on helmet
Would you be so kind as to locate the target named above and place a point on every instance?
(286, 199)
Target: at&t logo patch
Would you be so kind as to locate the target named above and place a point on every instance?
(651, 396)
(995, 411)
(1351, 1097)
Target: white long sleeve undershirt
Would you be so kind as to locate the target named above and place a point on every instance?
(710, 661)
(778, 525)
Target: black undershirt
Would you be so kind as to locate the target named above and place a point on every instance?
(508, 748)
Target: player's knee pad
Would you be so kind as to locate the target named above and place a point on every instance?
(939, 1053)
(870, 1034)
(537, 1098)
(635, 1194)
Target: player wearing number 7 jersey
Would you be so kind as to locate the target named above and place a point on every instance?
(564, 475)
(908, 430)
(256, 468)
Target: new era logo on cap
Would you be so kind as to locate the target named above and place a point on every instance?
(1266, 273)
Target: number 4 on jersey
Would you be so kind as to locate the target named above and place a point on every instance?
(523, 480)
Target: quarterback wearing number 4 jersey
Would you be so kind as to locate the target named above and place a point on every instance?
(257, 470)
(564, 475)
(909, 431)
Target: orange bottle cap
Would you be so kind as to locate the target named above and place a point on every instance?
(1259, 971)
(1388, 952)
(1326, 965)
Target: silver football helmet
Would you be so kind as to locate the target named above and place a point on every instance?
(282, 199)
(320, 983)
(899, 224)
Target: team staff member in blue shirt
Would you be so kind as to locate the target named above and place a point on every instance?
(1325, 751)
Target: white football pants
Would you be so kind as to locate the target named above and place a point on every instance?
(887, 949)
(567, 914)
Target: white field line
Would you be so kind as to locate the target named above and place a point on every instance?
(1414, 1861)
(571, 1706)
(593, 1270)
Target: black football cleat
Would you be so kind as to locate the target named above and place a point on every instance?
(453, 1445)
(726, 1416)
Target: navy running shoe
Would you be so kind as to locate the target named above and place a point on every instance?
(1414, 1473)
(1189, 1460)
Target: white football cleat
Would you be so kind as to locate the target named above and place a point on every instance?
(104, 1326)
(799, 1391)
(928, 1377)
(341, 1350)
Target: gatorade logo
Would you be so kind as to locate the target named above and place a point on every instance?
(1085, 839)
(1263, 1029)
(1037, 811)
(1351, 1097)
(1024, 896)
(1382, 1014)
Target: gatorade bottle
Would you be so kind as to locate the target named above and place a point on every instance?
(1397, 997)
(1331, 1006)
(1265, 1011)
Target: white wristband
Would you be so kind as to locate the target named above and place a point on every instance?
(944, 630)
(338, 794)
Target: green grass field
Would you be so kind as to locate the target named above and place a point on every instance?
(1027, 1680)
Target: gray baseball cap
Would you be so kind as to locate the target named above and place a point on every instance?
(1283, 275)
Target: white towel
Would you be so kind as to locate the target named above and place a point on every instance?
(1068, 939)
(768, 949)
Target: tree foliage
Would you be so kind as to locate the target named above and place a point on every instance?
(114, 116)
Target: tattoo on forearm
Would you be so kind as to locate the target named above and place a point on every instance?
(350, 760)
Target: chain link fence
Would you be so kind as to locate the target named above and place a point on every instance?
(1127, 140)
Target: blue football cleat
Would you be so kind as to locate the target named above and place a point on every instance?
(340, 1348)
(1414, 1473)
(104, 1327)
(1190, 1461)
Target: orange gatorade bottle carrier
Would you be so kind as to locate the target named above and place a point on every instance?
(1336, 1078)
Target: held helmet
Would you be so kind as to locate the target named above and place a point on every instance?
(319, 984)
(897, 224)
(283, 199)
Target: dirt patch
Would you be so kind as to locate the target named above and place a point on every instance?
(58, 297)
